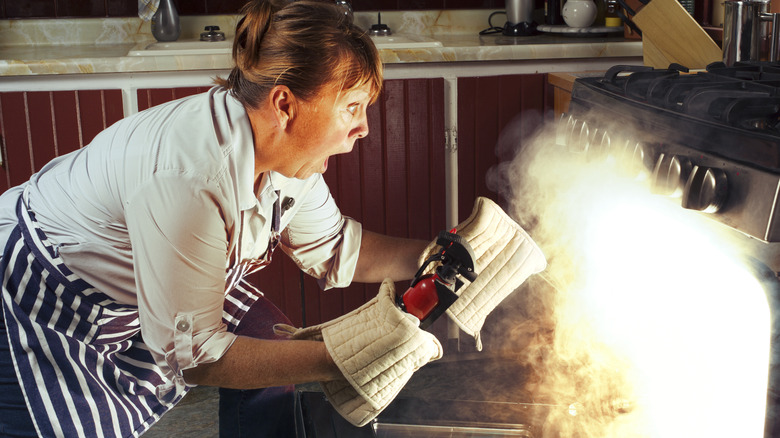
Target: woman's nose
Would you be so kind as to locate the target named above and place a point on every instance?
(361, 130)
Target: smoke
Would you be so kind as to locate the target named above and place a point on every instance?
(623, 333)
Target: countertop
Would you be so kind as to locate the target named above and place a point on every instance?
(51, 47)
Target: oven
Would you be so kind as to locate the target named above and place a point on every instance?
(695, 157)
(655, 200)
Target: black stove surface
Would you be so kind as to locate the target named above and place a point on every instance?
(744, 96)
(733, 112)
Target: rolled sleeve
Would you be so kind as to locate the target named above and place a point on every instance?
(179, 246)
(321, 241)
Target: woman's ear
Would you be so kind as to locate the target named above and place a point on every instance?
(283, 104)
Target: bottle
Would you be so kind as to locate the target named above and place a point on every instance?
(601, 11)
(611, 17)
(552, 12)
(165, 22)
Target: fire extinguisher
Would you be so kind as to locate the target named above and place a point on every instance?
(430, 295)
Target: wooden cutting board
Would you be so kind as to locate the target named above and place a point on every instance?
(670, 34)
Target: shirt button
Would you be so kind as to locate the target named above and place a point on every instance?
(183, 325)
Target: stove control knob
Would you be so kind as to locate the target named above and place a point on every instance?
(599, 145)
(635, 159)
(706, 189)
(670, 175)
(563, 129)
(579, 137)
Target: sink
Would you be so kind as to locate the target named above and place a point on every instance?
(401, 41)
(183, 47)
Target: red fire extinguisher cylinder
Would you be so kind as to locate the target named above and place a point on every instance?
(421, 299)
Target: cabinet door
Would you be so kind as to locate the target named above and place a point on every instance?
(37, 126)
(496, 116)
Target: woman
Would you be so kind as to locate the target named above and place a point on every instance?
(124, 261)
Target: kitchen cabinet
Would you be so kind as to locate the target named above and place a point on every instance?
(36, 126)
(561, 84)
(496, 116)
(392, 182)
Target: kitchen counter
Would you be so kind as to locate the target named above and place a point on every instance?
(78, 46)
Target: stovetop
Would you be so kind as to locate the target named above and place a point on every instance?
(745, 96)
(731, 111)
(713, 136)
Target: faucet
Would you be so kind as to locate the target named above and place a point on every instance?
(347, 6)
(212, 33)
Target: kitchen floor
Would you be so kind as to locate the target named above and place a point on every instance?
(196, 416)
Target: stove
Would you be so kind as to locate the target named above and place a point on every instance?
(707, 140)
(712, 138)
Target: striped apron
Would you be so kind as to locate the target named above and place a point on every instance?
(79, 355)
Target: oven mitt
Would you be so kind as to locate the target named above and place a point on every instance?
(377, 347)
(506, 257)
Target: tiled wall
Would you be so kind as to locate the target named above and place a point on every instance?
(128, 8)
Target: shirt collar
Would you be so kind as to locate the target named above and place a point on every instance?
(245, 155)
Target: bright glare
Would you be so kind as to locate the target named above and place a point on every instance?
(684, 312)
(656, 316)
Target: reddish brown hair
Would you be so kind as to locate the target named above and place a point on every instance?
(303, 45)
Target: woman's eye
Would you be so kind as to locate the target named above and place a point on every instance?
(352, 108)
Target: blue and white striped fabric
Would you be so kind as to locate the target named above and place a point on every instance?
(82, 363)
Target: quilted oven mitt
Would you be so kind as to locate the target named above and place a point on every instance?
(377, 347)
(506, 257)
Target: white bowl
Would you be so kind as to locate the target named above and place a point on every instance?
(579, 13)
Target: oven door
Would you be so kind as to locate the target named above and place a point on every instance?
(463, 395)
(487, 394)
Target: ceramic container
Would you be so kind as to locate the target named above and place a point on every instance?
(165, 22)
(579, 13)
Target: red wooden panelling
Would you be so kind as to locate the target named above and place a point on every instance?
(395, 158)
(41, 122)
(66, 120)
(467, 95)
(92, 114)
(3, 174)
(17, 159)
(393, 182)
(149, 97)
(40, 125)
(113, 107)
(496, 115)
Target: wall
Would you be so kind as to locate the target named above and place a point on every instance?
(129, 8)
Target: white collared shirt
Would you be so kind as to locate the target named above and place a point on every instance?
(161, 205)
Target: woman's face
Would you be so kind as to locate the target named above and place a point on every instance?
(327, 125)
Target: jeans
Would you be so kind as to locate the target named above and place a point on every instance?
(267, 412)
(15, 420)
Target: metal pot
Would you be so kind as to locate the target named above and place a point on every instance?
(749, 32)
